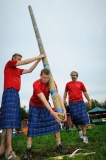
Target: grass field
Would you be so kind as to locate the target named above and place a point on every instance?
(44, 146)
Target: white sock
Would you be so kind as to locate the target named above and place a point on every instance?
(29, 144)
(58, 141)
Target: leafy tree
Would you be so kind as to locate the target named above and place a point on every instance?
(24, 113)
(103, 104)
(95, 103)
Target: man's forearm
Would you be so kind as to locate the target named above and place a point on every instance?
(86, 96)
(33, 66)
(45, 102)
(30, 60)
(27, 61)
(64, 98)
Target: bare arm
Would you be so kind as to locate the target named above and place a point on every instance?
(31, 68)
(30, 60)
(46, 104)
(87, 97)
(64, 98)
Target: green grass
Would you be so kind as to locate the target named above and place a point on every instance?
(44, 146)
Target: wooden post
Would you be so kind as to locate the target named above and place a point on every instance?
(54, 94)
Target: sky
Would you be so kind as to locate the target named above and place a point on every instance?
(73, 33)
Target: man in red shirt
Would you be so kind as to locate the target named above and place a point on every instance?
(42, 119)
(77, 106)
(10, 107)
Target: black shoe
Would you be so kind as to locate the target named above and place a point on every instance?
(67, 129)
(28, 154)
(62, 150)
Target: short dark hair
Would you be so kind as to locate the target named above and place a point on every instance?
(45, 71)
(16, 54)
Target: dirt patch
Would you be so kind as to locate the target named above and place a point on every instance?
(40, 154)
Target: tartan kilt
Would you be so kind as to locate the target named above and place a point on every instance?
(41, 122)
(78, 113)
(10, 110)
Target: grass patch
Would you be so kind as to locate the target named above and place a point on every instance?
(44, 146)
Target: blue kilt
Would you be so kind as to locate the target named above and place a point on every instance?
(78, 113)
(10, 109)
(41, 122)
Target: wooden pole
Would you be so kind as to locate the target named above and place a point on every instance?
(53, 91)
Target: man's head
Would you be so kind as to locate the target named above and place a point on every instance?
(74, 75)
(45, 75)
(17, 57)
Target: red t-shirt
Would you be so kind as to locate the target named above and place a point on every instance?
(75, 90)
(39, 87)
(12, 78)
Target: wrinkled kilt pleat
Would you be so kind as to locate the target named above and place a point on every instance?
(78, 113)
(10, 109)
(41, 122)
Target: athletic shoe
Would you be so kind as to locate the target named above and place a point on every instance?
(85, 139)
(28, 154)
(80, 134)
(62, 150)
(11, 156)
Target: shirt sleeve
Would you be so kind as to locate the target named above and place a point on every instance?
(83, 87)
(21, 70)
(37, 89)
(12, 63)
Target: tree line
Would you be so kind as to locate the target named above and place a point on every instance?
(95, 103)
